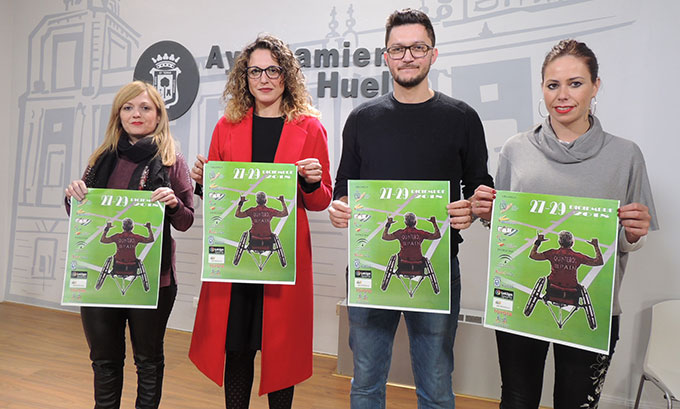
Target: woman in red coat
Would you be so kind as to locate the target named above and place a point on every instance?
(268, 118)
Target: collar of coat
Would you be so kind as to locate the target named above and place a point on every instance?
(292, 140)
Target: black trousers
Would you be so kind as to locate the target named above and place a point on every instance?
(105, 334)
(238, 381)
(579, 374)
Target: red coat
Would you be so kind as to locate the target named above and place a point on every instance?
(287, 309)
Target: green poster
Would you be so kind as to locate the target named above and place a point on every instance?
(114, 250)
(249, 227)
(552, 262)
(399, 245)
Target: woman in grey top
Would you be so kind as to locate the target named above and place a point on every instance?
(569, 154)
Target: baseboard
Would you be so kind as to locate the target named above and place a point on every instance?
(614, 402)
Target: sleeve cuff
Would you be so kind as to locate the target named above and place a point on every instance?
(308, 187)
(627, 247)
(198, 190)
(170, 211)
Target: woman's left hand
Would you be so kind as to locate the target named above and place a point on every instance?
(635, 219)
(460, 213)
(165, 195)
(309, 169)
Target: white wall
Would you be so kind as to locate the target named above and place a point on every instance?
(634, 41)
(6, 117)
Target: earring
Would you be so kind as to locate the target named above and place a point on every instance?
(541, 103)
(593, 105)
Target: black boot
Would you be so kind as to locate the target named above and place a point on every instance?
(149, 382)
(108, 384)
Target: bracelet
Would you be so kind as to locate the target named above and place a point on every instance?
(485, 223)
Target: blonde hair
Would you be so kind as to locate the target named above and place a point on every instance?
(295, 100)
(114, 130)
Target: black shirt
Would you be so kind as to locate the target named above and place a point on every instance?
(439, 139)
(266, 135)
(244, 331)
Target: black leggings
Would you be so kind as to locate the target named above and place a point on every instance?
(579, 374)
(105, 333)
(238, 381)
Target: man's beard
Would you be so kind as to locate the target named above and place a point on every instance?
(412, 82)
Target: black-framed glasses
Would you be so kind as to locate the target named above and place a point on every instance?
(418, 50)
(273, 72)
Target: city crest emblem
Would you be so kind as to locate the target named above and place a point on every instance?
(165, 73)
(161, 65)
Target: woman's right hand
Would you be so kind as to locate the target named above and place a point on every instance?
(76, 189)
(482, 201)
(196, 172)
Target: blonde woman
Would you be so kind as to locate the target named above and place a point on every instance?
(138, 153)
(268, 118)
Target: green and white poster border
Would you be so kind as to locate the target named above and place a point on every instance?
(227, 252)
(372, 202)
(513, 288)
(86, 254)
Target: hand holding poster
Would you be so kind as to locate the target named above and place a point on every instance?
(551, 268)
(249, 229)
(114, 250)
(399, 251)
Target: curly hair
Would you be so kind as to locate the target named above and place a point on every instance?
(114, 130)
(566, 239)
(295, 102)
(410, 219)
(261, 198)
(128, 224)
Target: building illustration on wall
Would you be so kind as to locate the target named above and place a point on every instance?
(79, 58)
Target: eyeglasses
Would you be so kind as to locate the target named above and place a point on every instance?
(397, 52)
(273, 72)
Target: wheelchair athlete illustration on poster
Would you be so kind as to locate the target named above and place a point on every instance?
(252, 208)
(561, 288)
(259, 241)
(124, 267)
(410, 266)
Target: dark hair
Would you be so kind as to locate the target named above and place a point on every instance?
(575, 49)
(408, 16)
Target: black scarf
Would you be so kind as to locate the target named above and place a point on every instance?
(150, 173)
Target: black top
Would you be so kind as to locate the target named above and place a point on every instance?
(439, 139)
(266, 135)
(244, 328)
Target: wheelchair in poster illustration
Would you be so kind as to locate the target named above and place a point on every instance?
(563, 288)
(410, 266)
(260, 241)
(561, 291)
(260, 249)
(124, 267)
